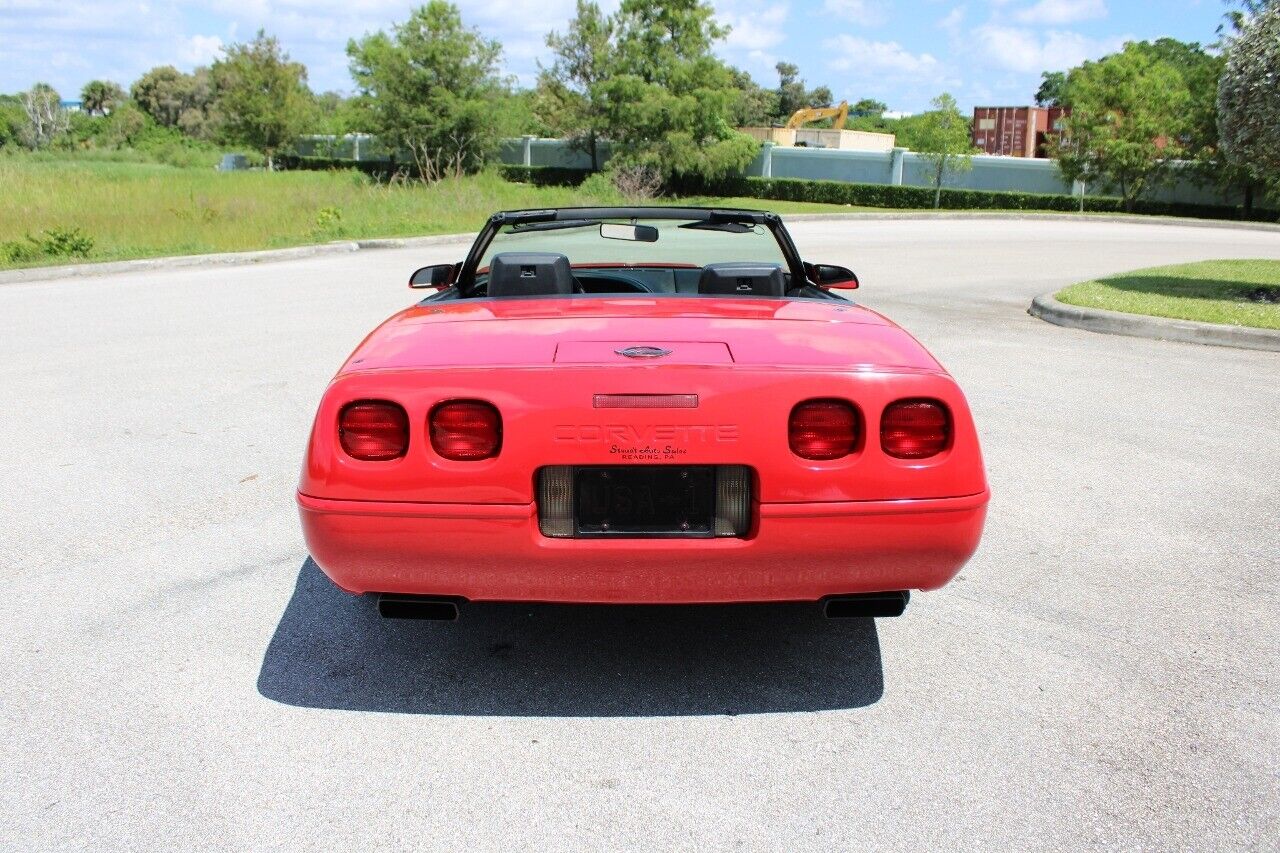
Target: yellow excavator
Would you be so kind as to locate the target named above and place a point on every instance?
(802, 117)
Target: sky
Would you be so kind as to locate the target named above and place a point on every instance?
(985, 52)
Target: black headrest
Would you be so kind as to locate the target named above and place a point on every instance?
(743, 278)
(529, 274)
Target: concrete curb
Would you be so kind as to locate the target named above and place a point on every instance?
(1158, 328)
(225, 259)
(411, 242)
(31, 274)
(173, 262)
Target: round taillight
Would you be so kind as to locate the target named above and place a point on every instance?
(466, 430)
(915, 429)
(822, 429)
(374, 430)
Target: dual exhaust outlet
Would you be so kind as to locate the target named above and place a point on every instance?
(445, 608)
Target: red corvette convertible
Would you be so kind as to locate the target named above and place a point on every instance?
(640, 405)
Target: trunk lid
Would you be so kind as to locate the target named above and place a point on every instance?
(692, 331)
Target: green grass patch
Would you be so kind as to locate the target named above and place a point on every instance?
(73, 209)
(1236, 293)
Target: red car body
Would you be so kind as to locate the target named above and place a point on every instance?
(560, 374)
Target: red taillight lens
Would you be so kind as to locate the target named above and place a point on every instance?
(374, 431)
(915, 429)
(823, 429)
(466, 430)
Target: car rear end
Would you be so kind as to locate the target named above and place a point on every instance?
(561, 468)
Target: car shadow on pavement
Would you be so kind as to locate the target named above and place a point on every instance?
(333, 650)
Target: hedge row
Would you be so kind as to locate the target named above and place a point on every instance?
(545, 176)
(833, 192)
(381, 169)
(882, 195)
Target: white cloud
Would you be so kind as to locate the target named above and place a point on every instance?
(754, 26)
(1058, 12)
(952, 20)
(868, 13)
(1022, 50)
(864, 55)
(200, 50)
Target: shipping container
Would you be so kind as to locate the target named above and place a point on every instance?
(1016, 131)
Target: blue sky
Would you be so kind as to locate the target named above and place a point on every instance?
(982, 51)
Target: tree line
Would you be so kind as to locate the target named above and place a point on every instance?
(646, 79)
(1139, 115)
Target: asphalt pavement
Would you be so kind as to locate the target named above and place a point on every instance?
(176, 674)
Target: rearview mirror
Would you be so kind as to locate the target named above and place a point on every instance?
(634, 233)
(832, 276)
(437, 276)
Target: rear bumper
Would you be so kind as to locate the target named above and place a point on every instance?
(494, 552)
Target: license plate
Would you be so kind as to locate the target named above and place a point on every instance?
(645, 499)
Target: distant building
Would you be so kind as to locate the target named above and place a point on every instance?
(896, 114)
(72, 106)
(1016, 131)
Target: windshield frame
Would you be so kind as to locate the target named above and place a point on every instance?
(466, 282)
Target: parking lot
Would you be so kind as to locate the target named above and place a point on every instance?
(178, 674)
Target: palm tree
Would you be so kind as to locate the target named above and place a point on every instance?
(100, 96)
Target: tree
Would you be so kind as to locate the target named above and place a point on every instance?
(1129, 119)
(943, 140)
(262, 97)
(162, 93)
(13, 120)
(1050, 92)
(757, 106)
(100, 97)
(433, 90)
(792, 94)
(868, 108)
(1249, 100)
(582, 57)
(669, 101)
(337, 115)
(46, 120)
(174, 99)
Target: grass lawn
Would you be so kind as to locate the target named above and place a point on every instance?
(1238, 293)
(137, 210)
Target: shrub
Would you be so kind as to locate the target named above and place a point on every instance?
(19, 252)
(637, 183)
(598, 186)
(53, 243)
(64, 242)
(546, 176)
(328, 217)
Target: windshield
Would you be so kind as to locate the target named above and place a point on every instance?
(678, 243)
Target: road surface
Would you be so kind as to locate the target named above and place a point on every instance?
(176, 674)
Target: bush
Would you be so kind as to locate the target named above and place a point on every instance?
(378, 169)
(64, 242)
(599, 186)
(53, 243)
(546, 176)
(19, 252)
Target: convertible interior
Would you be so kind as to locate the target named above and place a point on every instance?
(550, 274)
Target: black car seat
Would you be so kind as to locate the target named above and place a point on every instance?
(742, 278)
(529, 274)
